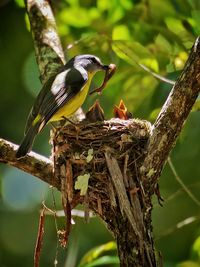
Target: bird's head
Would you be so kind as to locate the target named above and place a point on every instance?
(90, 63)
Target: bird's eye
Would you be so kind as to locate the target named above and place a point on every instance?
(95, 60)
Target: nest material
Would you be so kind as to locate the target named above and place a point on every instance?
(80, 149)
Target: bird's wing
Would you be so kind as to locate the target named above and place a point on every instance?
(37, 104)
(65, 86)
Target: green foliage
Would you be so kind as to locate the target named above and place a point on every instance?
(188, 264)
(20, 3)
(102, 261)
(157, 34)
(92, 258)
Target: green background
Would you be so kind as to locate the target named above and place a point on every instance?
(158, 34)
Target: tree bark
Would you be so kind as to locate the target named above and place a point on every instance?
(48, 50)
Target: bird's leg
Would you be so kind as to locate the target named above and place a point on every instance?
(64, 120)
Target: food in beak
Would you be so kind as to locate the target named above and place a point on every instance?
(109, 73)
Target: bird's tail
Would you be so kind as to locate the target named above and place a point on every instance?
(27, 142)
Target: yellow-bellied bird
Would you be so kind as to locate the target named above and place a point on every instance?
(61, 96)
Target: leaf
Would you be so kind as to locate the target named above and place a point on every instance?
(69, 16)
(196, 247)
(196, 106)
(175, 25)
(154, 114)
(20, 3)
(96, 252)
(82, 183)
(188, 264)
(151, 63)
(90, 155)
(163, 43)
(103, 261)
(130, 51)
(121, 32)
(196, 17)
(161, 9)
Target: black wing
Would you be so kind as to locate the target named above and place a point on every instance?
(65, 85)
(37, 104)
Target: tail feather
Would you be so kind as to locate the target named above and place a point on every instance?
(27, 142)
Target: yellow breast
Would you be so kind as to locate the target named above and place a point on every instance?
(73, 104)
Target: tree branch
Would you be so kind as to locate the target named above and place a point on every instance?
(48, 49)
(33, 163)
(171, 119)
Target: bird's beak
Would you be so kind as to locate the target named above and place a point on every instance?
(105, 67)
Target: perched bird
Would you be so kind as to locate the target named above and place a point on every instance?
(61, 96)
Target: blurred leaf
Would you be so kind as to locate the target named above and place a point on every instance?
(163, 43)
(131, 51)
(116, 14)
(121, 32)
(85, 17)
(175, 25)
(196, 106)
(127, 4)
(196, 248)
(74, 3)
(188, 264)
(170, 67)
(27, 21)
(196, 18)
(154, 114)
(161, 9)
(96, 252)
(103, 261)
(151, 63)
(82, 183)
(180, 60)
(20, 3)
(104, 5)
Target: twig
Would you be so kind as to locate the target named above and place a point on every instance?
(39, 241)
(179, 225)
(178, 179)
(74, 213)
(56, 224)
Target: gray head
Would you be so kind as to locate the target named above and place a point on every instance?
(90, 63)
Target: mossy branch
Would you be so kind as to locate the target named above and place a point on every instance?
(48, 50)
(171, 119)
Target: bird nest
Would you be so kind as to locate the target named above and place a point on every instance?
(88, 155)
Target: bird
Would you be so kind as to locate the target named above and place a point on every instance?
(61, 96)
